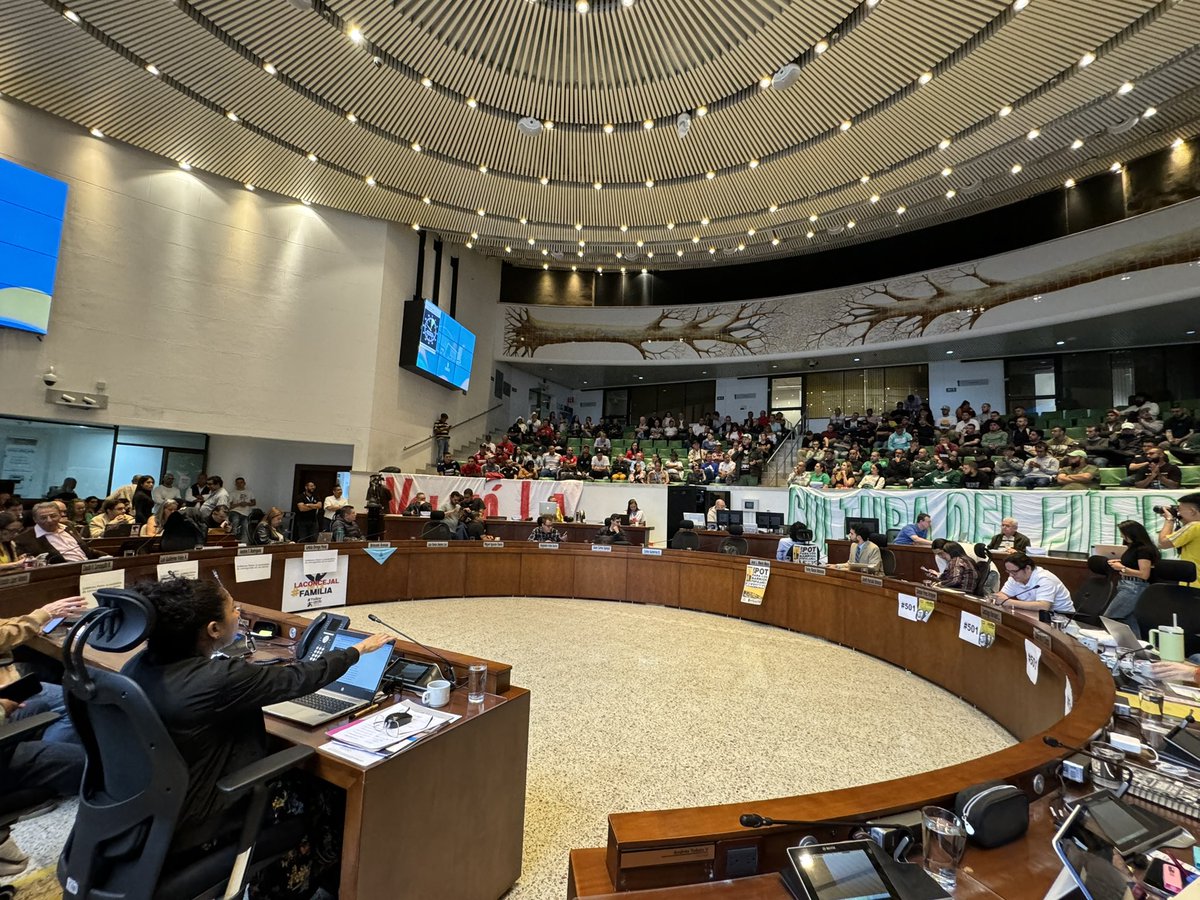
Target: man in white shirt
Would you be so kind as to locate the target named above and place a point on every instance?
(217, 495)
(1031, 587)
(711, 516)
(241, 501)
(163, 492)
(600, 466)
(332, 504)
(51, 536)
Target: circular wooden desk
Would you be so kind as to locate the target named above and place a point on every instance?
(691, 845)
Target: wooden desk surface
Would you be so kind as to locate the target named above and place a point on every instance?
(400, 528)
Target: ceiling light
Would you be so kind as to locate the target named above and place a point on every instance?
(583, 243)
(813, 217)
(481, 212)
(1033, 135)
(96, 132)
(641, 243)
(524, 221)
(1069, 183)
(370, 180)
(548, 124)
(874, 198)
(753, 164)
(185, 165)
(426, 200)
(750, 232)
(576, 269)
(712, 250)
(508, 249)
(851, 224)
(1076, 144)
(947, 172)
(416, 226)
(864, 178)
(545, 265)
(1125, 88)
(600, 270)
(650, 254)
(901, 209)
(311, 157)
(351, 118)
(579, 253)
(1115, 167)
(773, 208)
(741, 247)
(670, 226)
(710, 174)
(1177, 143)
(579, 226)
(269, 68)
(624, 227)
(154, 70)
(944, 144)
(543, 181)
(355, 34)
(531, 241)
(1019, 5)
(472, 102)
(609, 128)
(1016, 168)
(704, 222)
(232, 116)
(1059, 343)
(821, 46)
(679, 253)
(71, 16)
(648, 124)
(597, 185)
(774, 240)
(582, 6)
(426, 83)
(483, 170)
(925, 78)
(811, 235)
(1087, 59)
(1004, 111)
(474, 236)
(701, 111)
(764, 82)
(248, 186)
(695, 238)
(416, 148)
(1150, 111)
(871, 4)
(845, 126)
(649, 182)
(949, 352)
(306, 201)
(950, 194)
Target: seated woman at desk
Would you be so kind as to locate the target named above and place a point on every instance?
(268, 531)
(212, 709)
(11, 558)
(960, 571)
(636, 516)
(153, 526)
(798, 533)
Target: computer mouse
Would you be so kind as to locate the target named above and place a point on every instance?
(396, 719)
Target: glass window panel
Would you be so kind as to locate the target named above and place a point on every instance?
(39, 455)
(787, 393)
(159, 437)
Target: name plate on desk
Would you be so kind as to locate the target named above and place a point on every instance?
(14, 580)
(1042, 637)
(652, 551)
(976, 631)
(172, 557)
(493, 544)
(872, 580)
(378, 545)
(250, 551)
(437, 543)
(926, 593)
(814, 570)
(547, 545)
(989, 613)
(640, 859)
(99, 565)
(308, 547)
(602, 548)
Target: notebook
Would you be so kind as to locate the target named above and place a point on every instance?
(354, 690)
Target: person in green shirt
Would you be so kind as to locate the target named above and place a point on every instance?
(995, 438)
(819, 478)
(1076, 473)
(922, 465)
(945, 475)
(875, 460)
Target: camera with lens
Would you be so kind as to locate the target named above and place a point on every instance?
(1163, 510)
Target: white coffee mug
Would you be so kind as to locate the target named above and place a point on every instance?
(436, 694)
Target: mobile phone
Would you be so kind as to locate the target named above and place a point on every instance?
(1168, 876)
(22, 689)
(52, 624)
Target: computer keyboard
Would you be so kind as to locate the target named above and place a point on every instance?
(325, 703)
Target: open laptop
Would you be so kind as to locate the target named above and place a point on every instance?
(1110, 551)
(354, 690)
(1122, 634)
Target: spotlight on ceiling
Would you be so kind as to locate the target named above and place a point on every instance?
(683, 124)
(785, 77)
(530, 126)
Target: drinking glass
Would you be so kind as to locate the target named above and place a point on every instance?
(476, 683)
(944, 842)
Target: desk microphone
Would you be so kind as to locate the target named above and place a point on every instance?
(1125, 769)
(907, 836)
(449, 668)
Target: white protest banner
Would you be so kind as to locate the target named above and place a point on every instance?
(93, 581)
(510, 499)
(758, 573)
(314, 589)
(252, 568)
(185, 568)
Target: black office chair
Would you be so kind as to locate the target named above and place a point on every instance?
(685, 538)
(134, 782)
(1167, 603)
(735, 544)
(1092, 597)
(889, 561)
(892, 534)
(436, 528)
(1172, 571)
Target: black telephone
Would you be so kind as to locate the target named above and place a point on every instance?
(318, 636)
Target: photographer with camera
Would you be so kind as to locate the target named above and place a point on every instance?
(1181, 530)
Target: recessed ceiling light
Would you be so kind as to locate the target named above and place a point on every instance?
(508, 249)
(232, 116)
(624, 227)
(1087, 59)
(1150, 111)
(858, 359)
(370, 180)
(753, 164)
(701, 111)
(71, 16)
(901, 210)
(579, 253)
(1190, 332)
(764, 82)
(355, 34)
(306, 201)
(712, 250)
(311, 157)
(944, 144)
(96, 132)
(1177, 143)
(416, 148)
(648, 124)
(851, 224)
(582, 6)
(1125, 88)
(774, 240)
(874, 198)
(811, 235)
(269, 68)
(543, 181)
(710, 174)
(773, 208)
(531, 241)
(472, 102)
(864, 178)
(949, 352)
(950, 194)
(483, 170)
(481, 212)
(1115, 167)
(925, 78)
(650, 254)
(185, 165)
(416, 226)
(1016, 168)
(813, 217)
(641, 243)
(583, 243)
(1069, 183)
(741, 247)
(248, 186)
(426, 83)
(154, 70)
(695, 238)
(670, 226)
(545, 252)
(750, 232)
(545, 265)
(579, 226)
(821, 46)
(474, 236)
(649, 182)
(704, 222)
(351, 118)
(947, 172)
(597, 185)
(524, 221)
(1076, 144)
(845, 126)
(679, 253)
(1033, 135)
(1059, 343)
(548, 124)
(1019, 5)
(576, 269)
(1004, 111)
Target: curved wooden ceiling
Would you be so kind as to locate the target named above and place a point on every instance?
(891, 119)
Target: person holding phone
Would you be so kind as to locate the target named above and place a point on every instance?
(11, 558)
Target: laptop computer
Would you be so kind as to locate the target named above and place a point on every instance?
(1122, 634)
(354, 690)
(1111, 551)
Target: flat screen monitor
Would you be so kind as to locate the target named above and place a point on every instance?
(768, 521)
(696, 519)
(436, 346)
(729, 517)
(851, 522)
(32, 207)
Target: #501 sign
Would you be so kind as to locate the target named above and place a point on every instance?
(316, 589)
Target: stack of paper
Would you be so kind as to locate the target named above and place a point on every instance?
(369, 739)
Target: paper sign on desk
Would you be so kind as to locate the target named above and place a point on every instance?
(320, 560)
(93, 581)
(252, 568)
(977, 631)
(185, 569)
(758, 573)
(1033, 655)
(380, 554)
(1068, 698)
(907, 607)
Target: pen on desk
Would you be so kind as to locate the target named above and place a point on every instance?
(363, 713)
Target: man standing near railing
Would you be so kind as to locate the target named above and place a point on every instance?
(441, 437)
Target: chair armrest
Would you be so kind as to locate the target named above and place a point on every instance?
(264, 770)
(26, 729)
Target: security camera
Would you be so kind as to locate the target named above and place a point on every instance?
(812, 363)
(50, 378)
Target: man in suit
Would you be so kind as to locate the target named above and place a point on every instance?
(51, 536)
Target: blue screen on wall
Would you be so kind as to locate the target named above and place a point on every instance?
(32, 207)
(445, 349)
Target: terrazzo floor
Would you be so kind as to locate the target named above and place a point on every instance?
(641, 707)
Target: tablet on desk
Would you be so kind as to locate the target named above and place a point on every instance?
(843, 871)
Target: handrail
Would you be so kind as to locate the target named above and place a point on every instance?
(453, 425)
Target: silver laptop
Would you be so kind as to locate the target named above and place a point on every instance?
(354, 690)
(1111, 551)
(1122, 634)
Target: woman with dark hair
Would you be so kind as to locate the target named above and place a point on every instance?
(798, 533)
(212, 708)
(960, 571)
(143, 499)
(10, 556)
(636, 516)
(1134, 568)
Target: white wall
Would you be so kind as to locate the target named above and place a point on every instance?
(269, 466)
(517, 402)
(589, 403)
(737, 396)
(602, 499)
(951, 382)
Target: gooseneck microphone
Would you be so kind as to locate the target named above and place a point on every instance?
(1126, 769)
(754, 820)
(449, 668)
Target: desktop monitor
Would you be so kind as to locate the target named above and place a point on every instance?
(851, 522)
(727, 517)
(436, 346)
(768, 521)
(696, 519)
